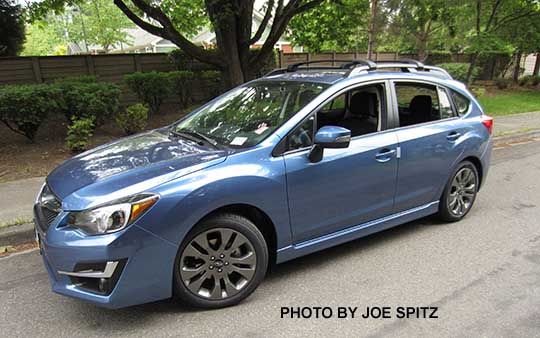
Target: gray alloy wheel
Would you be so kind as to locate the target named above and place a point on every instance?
(462, 192)
(218, 263)
(459, 193)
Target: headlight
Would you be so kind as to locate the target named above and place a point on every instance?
(113, 217)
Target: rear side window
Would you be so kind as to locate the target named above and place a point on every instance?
(461, 102)
(417, 103)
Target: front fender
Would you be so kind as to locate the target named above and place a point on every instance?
(186, 201)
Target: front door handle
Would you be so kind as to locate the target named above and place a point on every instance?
(385, 155)
(452, 136)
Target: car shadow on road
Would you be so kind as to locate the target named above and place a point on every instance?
(141, 315)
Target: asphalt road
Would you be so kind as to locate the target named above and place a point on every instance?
(482, 273)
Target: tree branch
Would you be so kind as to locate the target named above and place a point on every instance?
(282, 17)
(167, 31)
(264, 23)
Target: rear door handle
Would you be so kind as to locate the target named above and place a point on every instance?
(452, 136)
(385, 155)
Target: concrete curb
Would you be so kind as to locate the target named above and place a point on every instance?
(515, 137)
(17, 234)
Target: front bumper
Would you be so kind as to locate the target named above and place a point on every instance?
(145, 274)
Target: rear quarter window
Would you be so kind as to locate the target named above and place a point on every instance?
(462, 103)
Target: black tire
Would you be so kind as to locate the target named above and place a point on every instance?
(466, 192)
(220, 226)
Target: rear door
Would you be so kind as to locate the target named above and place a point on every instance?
(429, 135)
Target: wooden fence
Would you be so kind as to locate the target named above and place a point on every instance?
(111, 67)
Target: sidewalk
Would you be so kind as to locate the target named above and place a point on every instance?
(17, 197)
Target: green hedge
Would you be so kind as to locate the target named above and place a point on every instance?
(151, 88)
(133, 120)
(23, 108)
(85, 97)
(182, 84)
(79, 133)
(459, 70)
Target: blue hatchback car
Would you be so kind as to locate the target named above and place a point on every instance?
(300, 160)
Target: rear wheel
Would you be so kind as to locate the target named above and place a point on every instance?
(220, 262)
(460, 193)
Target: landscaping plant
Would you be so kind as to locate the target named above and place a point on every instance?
(23, 108)
(182, 84)
(458, 71)
(133, 120)
(85, 97)
(79, 133)
(151, 88)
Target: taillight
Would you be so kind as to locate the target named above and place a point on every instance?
(488, 122)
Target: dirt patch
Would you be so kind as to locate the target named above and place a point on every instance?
(21, 159)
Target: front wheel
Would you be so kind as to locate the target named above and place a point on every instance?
(220, 262)
(460, 192)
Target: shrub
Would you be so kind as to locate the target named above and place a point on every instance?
(459, 70)
(151, 88)
(525, 80)
(76, 79)
(502, 83)
(23, 108)
(84, 97)
(133, 119)
(214, 82)
(79, 133)
(535, 80)
(182, 84)
(478, 91)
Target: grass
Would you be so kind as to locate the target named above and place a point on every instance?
(18, 221)
(507, 103)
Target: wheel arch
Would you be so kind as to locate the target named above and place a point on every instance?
(478, 164)
(258, 217)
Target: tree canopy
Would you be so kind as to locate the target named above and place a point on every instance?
(11, 28)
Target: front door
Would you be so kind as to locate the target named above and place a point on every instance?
(348, 186)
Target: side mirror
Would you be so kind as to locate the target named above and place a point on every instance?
(329, 137)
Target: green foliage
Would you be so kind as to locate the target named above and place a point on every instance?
(182, 84)
(61, 22)
(459, 70)
(478, 91)
(133, 120)
(529, 80)
(85, 97)
(11, 28)
(42, 39)
(23, 108)
(151, 88)
(332, 26)
(79, 133)
(502, 83)
(213, 82)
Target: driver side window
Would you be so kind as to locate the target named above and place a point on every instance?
(302, 136)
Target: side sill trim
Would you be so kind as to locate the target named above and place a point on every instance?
(361, 226)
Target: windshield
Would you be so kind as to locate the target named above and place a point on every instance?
(247, 114)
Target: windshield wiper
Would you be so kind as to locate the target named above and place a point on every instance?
(195, 136)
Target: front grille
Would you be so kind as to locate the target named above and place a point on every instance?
(47, 208)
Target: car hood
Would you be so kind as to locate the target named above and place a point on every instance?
(128, 166)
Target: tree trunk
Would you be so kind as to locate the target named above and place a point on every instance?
(517, 64)
(422, 50)
(371, 30)
(472, 64)
(536, 70)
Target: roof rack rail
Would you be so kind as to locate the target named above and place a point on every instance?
(356, 67)
(405, 66)
(346, 64)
